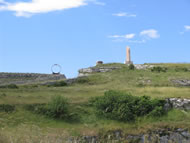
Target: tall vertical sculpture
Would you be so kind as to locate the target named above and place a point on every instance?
(128, 57)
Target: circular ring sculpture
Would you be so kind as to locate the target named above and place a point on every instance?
(56, 69)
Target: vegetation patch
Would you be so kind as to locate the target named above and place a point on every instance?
(82, 80)
(36, 108)
(125, 107)
(131, 67)
(11, 86)
(7, 108)
(159, 69)
(4, 139)
(3, 95)
(181, 69)
(57, 108)
(57, 84)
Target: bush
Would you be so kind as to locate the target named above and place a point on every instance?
(58, 84)
(125, 107)
(181, 69)
(159, 69)
(57, 107)
(3, 95)
(12, 86)
(7, 108)
(36, 108)
(131, 67)
(157, 112)
(82, 80)
(31, 86)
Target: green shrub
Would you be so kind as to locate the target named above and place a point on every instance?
(30, 86)
(12, 86)
(7, 108)
(82, 80)
(57, 107)
(36, 108)
(181, 69)
(3, 95)
(159, 69)
(125, 107)
(58, 84)
(131, 67)
(157, 112)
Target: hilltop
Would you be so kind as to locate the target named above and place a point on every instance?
(158, 81)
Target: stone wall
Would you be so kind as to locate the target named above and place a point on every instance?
(27, 78)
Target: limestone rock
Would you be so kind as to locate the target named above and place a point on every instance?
(143, 66)
(88, 71)
(177, 103)
(181, 82)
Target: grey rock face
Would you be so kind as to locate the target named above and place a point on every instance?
(177, 103)
(87, 71)
(181, 82)
(143, 67)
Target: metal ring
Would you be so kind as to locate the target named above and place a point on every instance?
(56, 66)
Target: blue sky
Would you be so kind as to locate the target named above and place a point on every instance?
(76, 33)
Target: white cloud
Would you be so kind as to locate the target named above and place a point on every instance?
(137, 41)
(97, 2)
(40, 6)
(151, 33)
(127, 36)
(124, 14)
(143, 37)
(187, 27)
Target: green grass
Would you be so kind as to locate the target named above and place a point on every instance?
(137, 82)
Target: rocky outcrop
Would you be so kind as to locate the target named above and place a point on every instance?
(143, 67)
(157, 136)
(97, 69)
(177, 103)
(181, 82)
(27, 78)
(87, 71)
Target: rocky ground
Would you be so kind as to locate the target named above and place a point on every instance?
(158, 136)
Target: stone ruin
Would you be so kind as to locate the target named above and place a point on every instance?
(99, 63)
(28, 78)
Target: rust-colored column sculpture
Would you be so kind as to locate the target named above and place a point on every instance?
(128, 58)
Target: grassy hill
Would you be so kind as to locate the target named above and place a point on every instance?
(22, 125)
